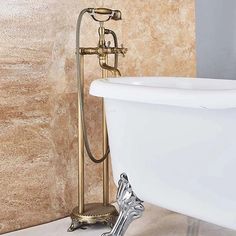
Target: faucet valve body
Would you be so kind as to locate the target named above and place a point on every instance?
(102, 50)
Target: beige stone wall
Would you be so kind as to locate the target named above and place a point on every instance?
(38, 142)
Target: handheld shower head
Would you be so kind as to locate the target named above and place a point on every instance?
(112, 14)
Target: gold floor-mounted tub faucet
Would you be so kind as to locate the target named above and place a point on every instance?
(95, 212)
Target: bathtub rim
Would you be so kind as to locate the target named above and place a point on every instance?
(114, 88)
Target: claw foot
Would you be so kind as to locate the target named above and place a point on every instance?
(74, 225)
(130, 207)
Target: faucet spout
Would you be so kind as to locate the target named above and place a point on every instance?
(111, 69)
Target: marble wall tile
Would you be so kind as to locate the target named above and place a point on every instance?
(38, 143)
(38, 138)
(160, 36)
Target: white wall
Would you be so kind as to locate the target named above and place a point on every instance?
(216, 38)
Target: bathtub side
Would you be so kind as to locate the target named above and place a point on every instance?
(182, 159)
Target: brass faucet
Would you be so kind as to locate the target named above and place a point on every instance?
(91, 213)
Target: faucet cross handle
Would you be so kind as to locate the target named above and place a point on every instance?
(123, 50)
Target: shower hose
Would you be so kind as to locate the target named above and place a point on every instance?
(81, 92)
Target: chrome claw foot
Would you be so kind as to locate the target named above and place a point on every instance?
(130, 207)
(75, 225)
(110, 223)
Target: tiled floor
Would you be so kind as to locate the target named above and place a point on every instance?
(155, 222)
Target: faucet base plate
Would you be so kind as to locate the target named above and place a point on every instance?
(94, 213)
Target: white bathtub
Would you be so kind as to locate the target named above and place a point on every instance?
(176, 140)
